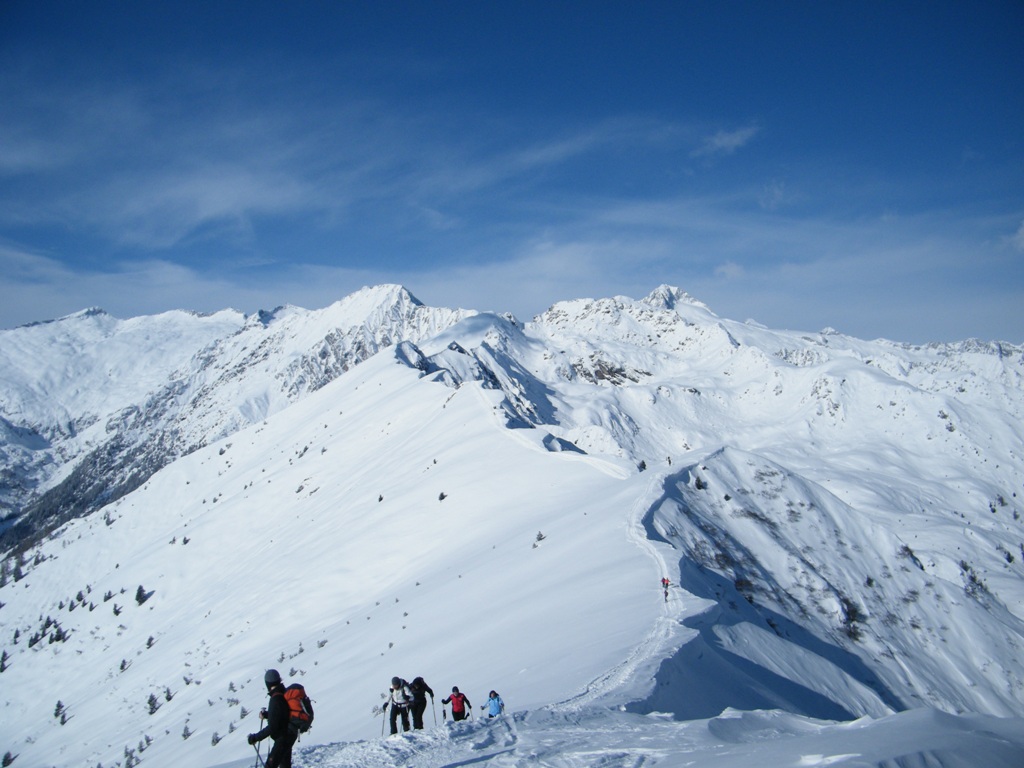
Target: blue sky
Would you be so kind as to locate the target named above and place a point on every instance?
(858, 165)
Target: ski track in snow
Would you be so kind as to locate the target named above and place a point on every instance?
(665, 636)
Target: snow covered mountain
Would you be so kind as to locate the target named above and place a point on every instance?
(383, 488)
(92, 406)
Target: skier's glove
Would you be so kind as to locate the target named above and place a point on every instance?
(252, 738)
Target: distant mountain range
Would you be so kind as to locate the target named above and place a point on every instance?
(841, 518)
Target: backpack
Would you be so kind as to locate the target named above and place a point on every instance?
(300, 708)
(418, 688)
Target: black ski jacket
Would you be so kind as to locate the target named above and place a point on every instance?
(420, 690)
(278, 716)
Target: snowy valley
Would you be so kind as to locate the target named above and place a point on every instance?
(383, 488)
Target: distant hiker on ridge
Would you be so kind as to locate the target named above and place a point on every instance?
(420, 689)
(400, 698)
(494, 706)
(460, 704)
(277, 715)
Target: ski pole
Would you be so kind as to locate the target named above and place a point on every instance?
(383, 717)
(257, 748)
(433, 706)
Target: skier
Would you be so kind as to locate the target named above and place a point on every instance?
(494, 706)
(420, 689)
(400, 698)
(277, 715)
(460, 704)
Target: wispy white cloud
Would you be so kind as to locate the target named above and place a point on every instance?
(161, 209)
(20, 154)
(129, 166)
(1018, 238)
(730, 270)
(133, 166)
(726, 142)
(24, 266)
(773, 194)
(454, 171)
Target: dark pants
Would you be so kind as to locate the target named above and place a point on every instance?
(458, 715)
(395, 711)
(281, 753)
(418, 707)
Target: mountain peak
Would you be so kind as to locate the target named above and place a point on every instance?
(669, 297)
(385, 294)
(81, 314)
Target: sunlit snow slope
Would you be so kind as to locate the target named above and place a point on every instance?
(319, 543)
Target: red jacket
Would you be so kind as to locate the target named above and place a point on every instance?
(458, 700)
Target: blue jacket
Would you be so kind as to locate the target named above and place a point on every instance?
(495, 706)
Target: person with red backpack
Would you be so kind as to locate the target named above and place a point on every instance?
(460, 704)
(278, 716)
